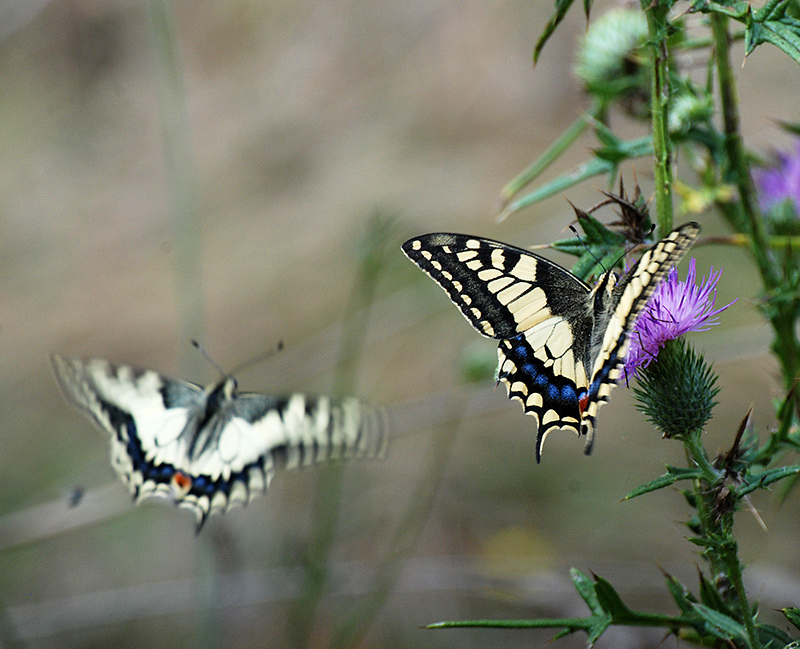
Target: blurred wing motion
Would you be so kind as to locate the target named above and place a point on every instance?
(562, 343)
(210, 449)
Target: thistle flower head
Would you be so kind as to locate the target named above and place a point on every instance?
(781, 182)
(676, 308)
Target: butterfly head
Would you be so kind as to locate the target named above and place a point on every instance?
(221, 392)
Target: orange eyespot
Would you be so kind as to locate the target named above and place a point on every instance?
(583, 402)
(181, 483)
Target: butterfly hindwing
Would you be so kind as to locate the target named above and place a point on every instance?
(561, 342)
(210, 449)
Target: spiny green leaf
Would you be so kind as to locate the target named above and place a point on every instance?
(683, 598)
(793, 615)
(598, 250)
(586, 589)
(720, 625)
(611, 601)
(755, 481)
(562, 6)
(673, 475)
(771, 24)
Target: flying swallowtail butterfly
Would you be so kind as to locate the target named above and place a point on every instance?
(562, 343)
(209, 449)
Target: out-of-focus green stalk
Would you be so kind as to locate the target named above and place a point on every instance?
(372, 250)
(352, 631)
(786, 345)
(657, 26)
(735, 149)
(181, 179)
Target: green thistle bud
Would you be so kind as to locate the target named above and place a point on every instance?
(677, 390)
(690, 107)
(611, 61)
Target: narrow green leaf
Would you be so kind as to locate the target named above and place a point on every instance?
(606, 162)
(737, 10)
(673, 475)
(720, 625)
(683, 598)
(772, 636)
(562, 6)
(573, 624)
(586, 589)
(528, 175)
(709, 595)
(611, 601)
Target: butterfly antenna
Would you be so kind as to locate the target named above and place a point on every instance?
(634, 246)
(585, 247)
(205, 355)
(269, 353)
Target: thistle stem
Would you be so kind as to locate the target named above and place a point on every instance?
(786, 345)
(657, 23)
(721, 549)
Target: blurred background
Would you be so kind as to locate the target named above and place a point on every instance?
(244, 173)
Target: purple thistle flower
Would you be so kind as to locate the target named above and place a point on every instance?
(675, 308)
(781, 182)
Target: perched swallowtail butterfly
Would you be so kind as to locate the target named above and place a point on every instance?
(208, 449)
(562, 343)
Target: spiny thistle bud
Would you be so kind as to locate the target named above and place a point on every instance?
(611, 59)
(690, 107)
(677, 390)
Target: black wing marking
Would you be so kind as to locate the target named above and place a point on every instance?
(500, 289)
(208, 450)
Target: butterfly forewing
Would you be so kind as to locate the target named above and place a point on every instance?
(500, 289)
(210, 449)
(629, 297)
(561, 343)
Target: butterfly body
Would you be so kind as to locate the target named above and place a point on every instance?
(209, 449)
(562, 342)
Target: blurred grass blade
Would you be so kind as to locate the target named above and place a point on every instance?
(181, 178)
(607, 160)
(533, 171)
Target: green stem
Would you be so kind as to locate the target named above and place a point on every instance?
(697, 453)
(721, 550)
(730, 556)
(657, 24)
(734, 148)
(781, 314)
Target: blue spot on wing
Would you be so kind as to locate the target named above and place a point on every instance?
(559, 393)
